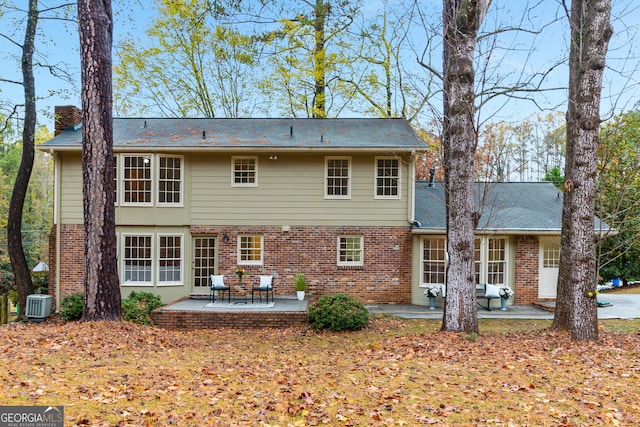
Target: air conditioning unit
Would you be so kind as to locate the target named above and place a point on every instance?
(38, 307)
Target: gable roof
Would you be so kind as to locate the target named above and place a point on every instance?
(132, 134)
(506, 207)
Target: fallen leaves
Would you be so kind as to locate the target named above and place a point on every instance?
(393, 373)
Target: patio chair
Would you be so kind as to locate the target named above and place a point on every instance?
(265, 285)
(217, 285)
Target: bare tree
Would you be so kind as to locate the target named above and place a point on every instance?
(102, 286)
(14, 222)
(461, 19)
(576, 306)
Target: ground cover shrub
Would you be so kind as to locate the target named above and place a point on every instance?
(72, 306)
(338, 312)
(137, 306)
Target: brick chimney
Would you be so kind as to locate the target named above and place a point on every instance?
(67, 117)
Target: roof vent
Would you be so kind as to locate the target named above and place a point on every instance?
(204, 134)
(432, 177)
(74, 128)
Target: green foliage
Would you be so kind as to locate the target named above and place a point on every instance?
(72, 306)
(618, 196)
(300, 282)
(137, 306)
(554, 176)
(40, 281)
(338, 312)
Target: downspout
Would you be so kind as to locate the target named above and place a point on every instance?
(411, 188)
(56, 221)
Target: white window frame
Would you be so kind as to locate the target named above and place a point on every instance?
(378, 177)
(179, 181)
(340, 251)
(160, 259)
(235, 159)
(482, 276)
(423, 260)
(124, 259)
(327, 177)
(123, 186)
(116, 180)
(241, 250)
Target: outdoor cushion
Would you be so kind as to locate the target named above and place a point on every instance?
(217, 281)
(265, 281)
(491, 291)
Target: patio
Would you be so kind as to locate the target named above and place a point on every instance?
(194, 313)
(200, 313)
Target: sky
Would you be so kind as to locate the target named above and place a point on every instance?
(516, 51)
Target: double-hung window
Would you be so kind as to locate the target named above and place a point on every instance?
(137, 180)
(387, 178)
(170, 180)
(169, 259)
(350, 250)
(491, 260)
(434, 261)
(137, 259)
(250, 249)
(244, 171)
(338, 178)
(147, 179)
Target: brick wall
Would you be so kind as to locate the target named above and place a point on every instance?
(188, 320)
(66, 115)
(526, 277)
(385, 276)
(71, 260)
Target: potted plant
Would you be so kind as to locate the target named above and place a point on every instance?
(505, 293)
(432, 292)
(300, 283)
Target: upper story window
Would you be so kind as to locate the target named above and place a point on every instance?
(387, 178)
(244, 171)
(148, 178)
(350, 250)
(338, 178)
(250, 249)
(115, 180)
(137, 181)
(170, 180)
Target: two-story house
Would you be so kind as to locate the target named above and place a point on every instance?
(331, 198)
(335, 199)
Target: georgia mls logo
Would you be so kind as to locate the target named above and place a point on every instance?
(31, 416)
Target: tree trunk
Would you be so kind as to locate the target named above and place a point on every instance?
(14, 220)
(320, 11)
(461, 19)
(576, 305)
(102, 287)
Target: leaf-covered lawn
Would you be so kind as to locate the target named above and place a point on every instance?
(396, 372)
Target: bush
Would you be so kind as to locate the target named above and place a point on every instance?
(338, 312)
(137, 306)
(72, 306)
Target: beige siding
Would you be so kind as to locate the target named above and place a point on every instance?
(71, 189)
(290, 191)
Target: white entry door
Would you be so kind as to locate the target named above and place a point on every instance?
(549, 263)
